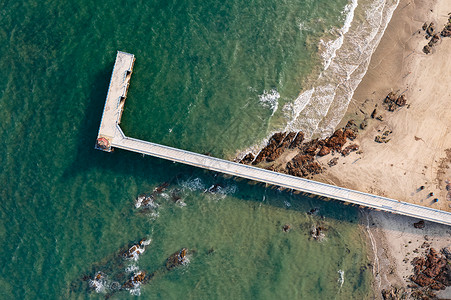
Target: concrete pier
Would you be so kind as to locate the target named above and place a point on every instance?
(115, 100)
(111, 131)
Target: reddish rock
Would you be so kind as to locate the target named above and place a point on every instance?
(302, 165)
(324, 151)
(247, 159)
(275, 154)
(337, 140)
(422, 280)
(277, 138)
(287, 141)
(349, 149)
(264, 153)
(350, 134)
(297, 140)
(333, 162)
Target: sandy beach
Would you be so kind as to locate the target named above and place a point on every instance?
(419, 151)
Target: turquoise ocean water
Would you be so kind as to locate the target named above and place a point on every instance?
(210, 76)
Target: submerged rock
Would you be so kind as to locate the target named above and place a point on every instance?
(176, 259)
(137, 249)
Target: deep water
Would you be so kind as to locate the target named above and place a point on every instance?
(210, 76)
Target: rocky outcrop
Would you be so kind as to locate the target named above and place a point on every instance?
(247, 159)
(349, 149)
(446, 32)
(324, 151)
(393, 101)
(297, 140)
(303, 165)
(333, 162)
(176, 259)
(337, 140)
(394, 293)
(419, 224)
(275, 147)
(432, 272)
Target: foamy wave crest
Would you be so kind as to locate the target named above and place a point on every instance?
(324, 104)
(221, 191)
(195, 184)
(341, 280)
(270, 99)
(332, 46)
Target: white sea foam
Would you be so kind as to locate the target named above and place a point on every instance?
(195, 184)
(270, 99)
(332, 46)
(319, 109)
(341, 280)
(220, 192)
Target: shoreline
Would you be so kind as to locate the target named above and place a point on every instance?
(399, 64)
(412, 162)
(417, 152)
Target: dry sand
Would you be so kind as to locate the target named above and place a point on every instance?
(419, 152)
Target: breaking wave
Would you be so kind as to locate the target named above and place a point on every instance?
(319, 109)
(270, 99)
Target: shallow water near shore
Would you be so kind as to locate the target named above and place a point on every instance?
(209, 77)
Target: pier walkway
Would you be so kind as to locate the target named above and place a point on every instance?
(111, 136)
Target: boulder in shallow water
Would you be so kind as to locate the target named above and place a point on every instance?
(176, 259)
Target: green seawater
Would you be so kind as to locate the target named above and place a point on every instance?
(202, 69)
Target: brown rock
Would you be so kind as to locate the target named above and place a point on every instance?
(277, 138)
(297, 140)
(363, 124)
(350, 134)
(401, 101)
(349, 149)
(373, 114)
(302, 165)
(422, 280)
(425, 26)
(430, 30)
(264, 153)
(434, 40)
(288, 139)
(324, 151)
(247, 159)
(333, 162)
(337, 140)
(275, 154)
(419, 224)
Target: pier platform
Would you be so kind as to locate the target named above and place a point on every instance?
(115, 100)
(110, 130)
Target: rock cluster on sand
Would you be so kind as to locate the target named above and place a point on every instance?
(275, 147)
(394, 293)
(304, 163)
(393, 101)
(432, 272)
(434, 35)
